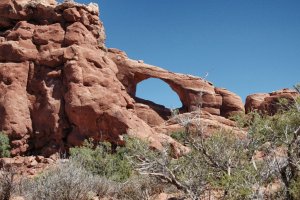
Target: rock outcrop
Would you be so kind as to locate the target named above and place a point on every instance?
(28, 166)
(268, 103)
(59, 84)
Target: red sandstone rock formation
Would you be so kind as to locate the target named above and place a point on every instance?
(269, 102)
(60, 85)
(194, 92)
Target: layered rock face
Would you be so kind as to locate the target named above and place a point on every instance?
(59, 84)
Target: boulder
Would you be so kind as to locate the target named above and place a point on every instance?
(254, 101)
(231, 103)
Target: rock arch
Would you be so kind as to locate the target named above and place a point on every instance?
(192, 91)
(181, 84)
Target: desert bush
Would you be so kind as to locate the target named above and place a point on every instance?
(70, 181)
(277, 138)
(118, 167)
(67, 181)
(101, 161)
(6, 184)
(4, 145)
(216, 163)
(180, 136)
(142, 188)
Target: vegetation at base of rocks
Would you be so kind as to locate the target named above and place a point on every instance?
(262, 164)
(67, 181)
(101, 161)
(232, 167)
(4, 145)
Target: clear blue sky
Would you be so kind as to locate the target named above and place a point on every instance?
(246, 46)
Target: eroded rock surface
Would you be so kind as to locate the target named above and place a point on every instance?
(59, 84)
(269, 102)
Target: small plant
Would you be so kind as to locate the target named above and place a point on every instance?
(101, 161)
(4, 145)
(180, 136)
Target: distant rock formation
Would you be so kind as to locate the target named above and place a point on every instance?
(59, 84)
(268, 103)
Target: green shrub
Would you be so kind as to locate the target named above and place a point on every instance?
(271, 134)
(4, 145)
(99, 160)
(180, 136)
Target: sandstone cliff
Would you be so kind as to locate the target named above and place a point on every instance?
(59, 84)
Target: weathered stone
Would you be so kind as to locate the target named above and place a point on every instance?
(254, 101)
(59, 85)
(231, 103)
(78, 34)
(48, 33)
(71, 15)
(18, 51)
(22, 30)
(14, 105)
(147, 114)
(269, 102)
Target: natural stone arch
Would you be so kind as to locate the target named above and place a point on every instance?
(190, 89)
(194, 92)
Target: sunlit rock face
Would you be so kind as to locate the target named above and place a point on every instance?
(269, 103)
(60, 85)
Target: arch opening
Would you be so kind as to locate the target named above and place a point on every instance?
(158, 95)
